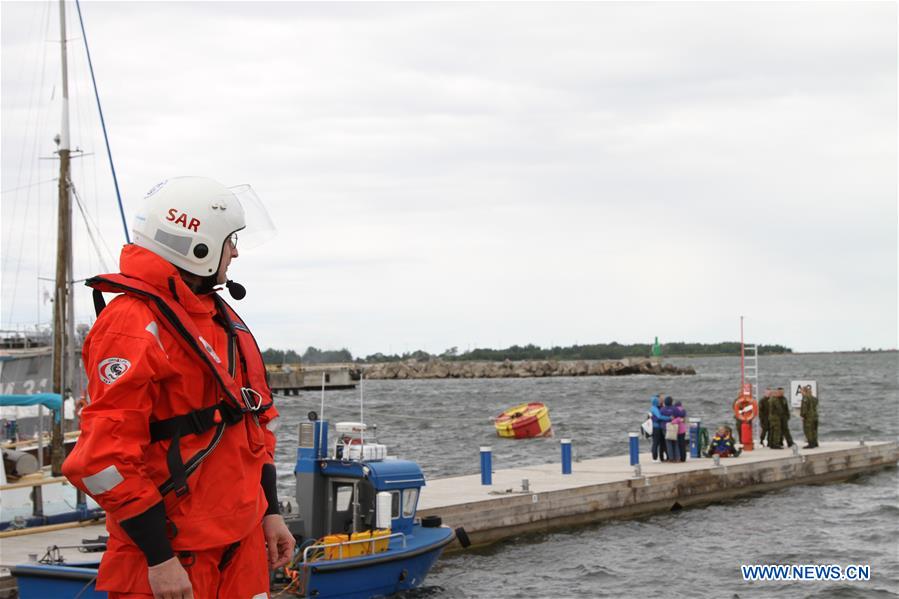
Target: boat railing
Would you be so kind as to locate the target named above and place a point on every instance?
(341, 544)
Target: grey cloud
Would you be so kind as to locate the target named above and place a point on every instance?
(544, 172)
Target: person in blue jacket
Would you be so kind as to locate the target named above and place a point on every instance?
(659, 421)
(667, 410)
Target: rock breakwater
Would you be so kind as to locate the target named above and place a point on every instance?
(441, 369)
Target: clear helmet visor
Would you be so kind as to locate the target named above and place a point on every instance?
(259, 225)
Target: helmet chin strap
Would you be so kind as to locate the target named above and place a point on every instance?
(236, 290)
(207, 285)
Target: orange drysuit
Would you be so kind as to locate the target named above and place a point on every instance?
(144, 368)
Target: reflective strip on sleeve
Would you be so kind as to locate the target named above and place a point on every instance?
(105, 480)
(153, 329)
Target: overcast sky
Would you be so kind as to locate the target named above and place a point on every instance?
(485, 174)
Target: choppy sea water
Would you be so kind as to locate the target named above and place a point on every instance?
(698, 551)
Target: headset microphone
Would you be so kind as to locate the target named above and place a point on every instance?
(236, 290)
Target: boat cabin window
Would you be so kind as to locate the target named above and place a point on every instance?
(342, 497)
(410, 498)
(395, 504)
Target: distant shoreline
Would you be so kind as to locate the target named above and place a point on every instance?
(356, 364)
(440, 369)
(794, 353)
(857, 351)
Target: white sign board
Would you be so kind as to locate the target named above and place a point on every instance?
(796, 391)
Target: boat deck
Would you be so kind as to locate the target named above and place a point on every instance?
(18, 549)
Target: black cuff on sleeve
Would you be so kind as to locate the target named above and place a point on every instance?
(270, 487)
(147, 530)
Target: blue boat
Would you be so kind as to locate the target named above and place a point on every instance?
(40, 581)
(356, 528)
(357, 532)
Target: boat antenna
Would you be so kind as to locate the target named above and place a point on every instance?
(115, 179)
(323, 452)
(362, 414)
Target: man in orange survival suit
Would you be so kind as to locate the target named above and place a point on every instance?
(177, 443)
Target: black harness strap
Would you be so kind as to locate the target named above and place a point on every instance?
(99, 301)
(228, 555)
(177, 472)
(192, 423)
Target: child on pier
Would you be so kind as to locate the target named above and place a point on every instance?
(723, 444)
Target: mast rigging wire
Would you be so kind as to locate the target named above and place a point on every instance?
(21, 187)
(88, 223)
(115, 179)
(31, 101)
(7, 254)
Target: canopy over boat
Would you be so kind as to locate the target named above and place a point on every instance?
(52, 401)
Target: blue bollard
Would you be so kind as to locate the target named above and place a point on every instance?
(694, 437)
(634, 440)
(566, 456)
(486, 466)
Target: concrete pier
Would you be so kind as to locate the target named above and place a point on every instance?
(290, 379)
(607, 488)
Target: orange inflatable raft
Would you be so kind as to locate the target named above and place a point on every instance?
(524, 421)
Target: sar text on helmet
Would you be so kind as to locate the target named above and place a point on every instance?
(181, 219)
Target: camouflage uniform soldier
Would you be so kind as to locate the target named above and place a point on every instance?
(784, 411)
(809, 413)
(775, 423)
(764, 410)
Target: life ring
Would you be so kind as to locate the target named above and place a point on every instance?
(745, 408)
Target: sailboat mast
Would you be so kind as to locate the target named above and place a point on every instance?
(63, 310)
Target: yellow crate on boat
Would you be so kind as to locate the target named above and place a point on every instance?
(336, 551)
(342, 547)
(382, 539)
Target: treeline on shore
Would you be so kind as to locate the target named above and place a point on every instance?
(597, 351)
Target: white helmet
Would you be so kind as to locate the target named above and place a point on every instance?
(187, 221)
